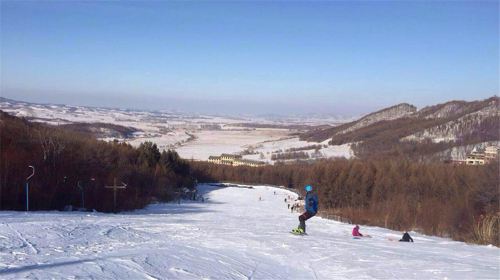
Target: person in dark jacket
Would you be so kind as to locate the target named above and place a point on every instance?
(406, 238)
(311, 207)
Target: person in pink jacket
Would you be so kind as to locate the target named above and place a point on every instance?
(355, 232)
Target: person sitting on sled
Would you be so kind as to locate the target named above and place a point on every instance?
(311, 207)
(355, 232)
(406, 238)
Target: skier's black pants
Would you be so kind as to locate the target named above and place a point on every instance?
(302, 219)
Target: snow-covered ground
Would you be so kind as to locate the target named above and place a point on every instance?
(193, 136)
(265, 150)
(214, 143)
(233, 235)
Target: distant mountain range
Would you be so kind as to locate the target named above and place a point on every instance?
(444, 131)
(64, 114)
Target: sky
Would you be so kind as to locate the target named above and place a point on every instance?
(303, 57)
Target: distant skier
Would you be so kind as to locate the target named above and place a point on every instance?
(311, 207)
(357, 234)
(406, 238)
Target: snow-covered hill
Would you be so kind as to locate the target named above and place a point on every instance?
(193, 136)
(446, 122)
(233, 235)
(455, 129)
(387, 114)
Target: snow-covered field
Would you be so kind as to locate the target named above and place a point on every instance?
(232, 235)
(193, 136)
(214, 143)
(264, 150)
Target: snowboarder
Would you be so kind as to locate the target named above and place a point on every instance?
(311, 207)
(406, 238)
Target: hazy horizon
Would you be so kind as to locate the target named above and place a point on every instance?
(236, 58)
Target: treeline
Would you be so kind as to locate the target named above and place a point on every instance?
(66, 161)
(290, 156)
(305, 148)
(101, 130)
(461, 202)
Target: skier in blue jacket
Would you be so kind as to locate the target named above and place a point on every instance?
(311, 207)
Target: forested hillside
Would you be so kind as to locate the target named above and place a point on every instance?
(101, 130)
(402, 131)
(457, 201)
(66, 161)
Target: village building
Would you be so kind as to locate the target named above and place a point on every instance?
(491, 152)
(246, 162)
(484, 157)
(230, 157)
(234, 160)
(475, 158)
(214, 159)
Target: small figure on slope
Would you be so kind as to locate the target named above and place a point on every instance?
(357, 234)
(311, 207)
(406, 238)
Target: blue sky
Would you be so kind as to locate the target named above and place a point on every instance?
(333, 57)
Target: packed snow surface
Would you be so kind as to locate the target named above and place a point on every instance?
(232, 235)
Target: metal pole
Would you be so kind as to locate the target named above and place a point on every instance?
(114, 195)
(27, 197)
(114, 199)
(80, 186)
(27, 186)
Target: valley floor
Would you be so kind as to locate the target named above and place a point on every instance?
(232, 235)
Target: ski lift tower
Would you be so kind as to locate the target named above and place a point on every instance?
(116, 187)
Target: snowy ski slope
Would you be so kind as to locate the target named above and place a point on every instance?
(232, 235)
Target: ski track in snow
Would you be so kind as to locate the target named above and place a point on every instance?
(232, 235)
